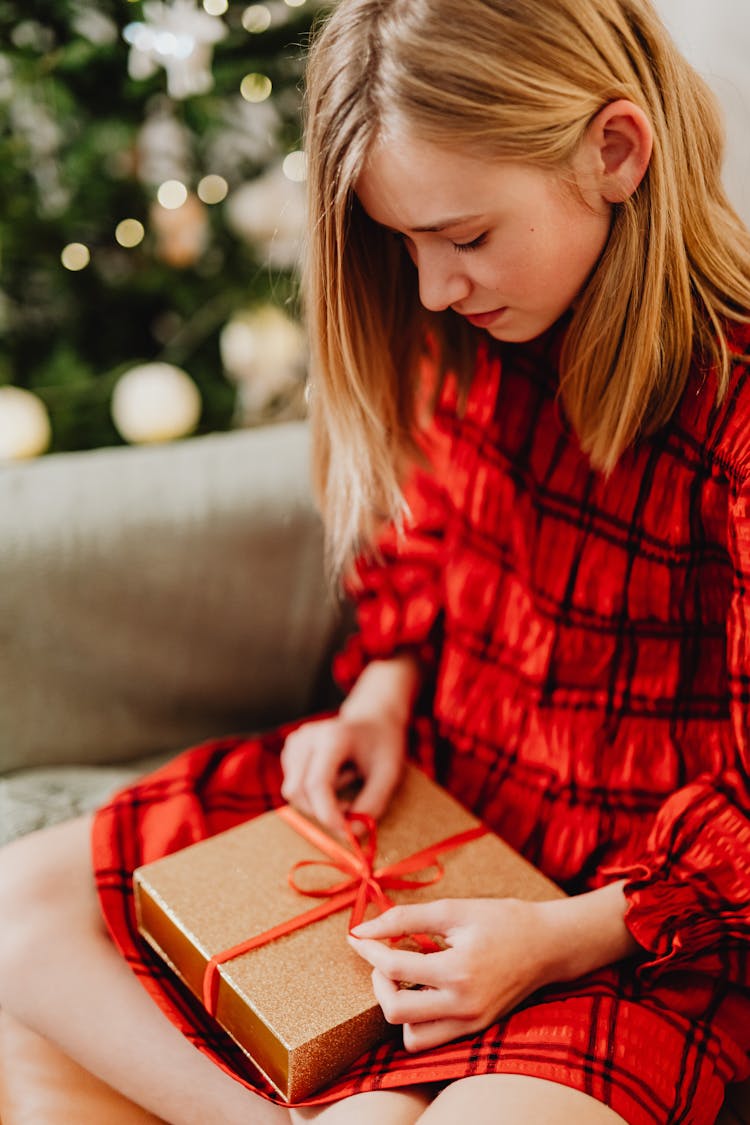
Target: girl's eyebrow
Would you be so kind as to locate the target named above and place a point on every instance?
(437, 227)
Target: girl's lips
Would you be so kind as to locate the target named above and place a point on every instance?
(484, 320)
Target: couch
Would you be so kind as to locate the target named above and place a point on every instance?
(149, 598)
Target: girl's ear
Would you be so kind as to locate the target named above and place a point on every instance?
(618, 143)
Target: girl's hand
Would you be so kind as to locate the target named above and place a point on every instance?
(494, 960)
(321, 757)
(499, 952)
(366, 741)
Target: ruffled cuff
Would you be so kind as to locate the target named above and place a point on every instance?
(677, 929)
(349, 664)
(653, 907)
(688, 893)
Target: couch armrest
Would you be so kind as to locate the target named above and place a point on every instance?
(151, 597)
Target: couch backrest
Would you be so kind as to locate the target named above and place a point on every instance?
(151, 597)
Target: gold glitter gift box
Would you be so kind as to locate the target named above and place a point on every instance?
(301, 1006)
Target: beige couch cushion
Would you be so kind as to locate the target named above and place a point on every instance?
(152, 597)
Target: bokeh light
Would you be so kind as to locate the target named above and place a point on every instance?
(216, 7)
(75, 256)
(212, 189)
(295, 167)
(129, 233)
(172, 194)
(256, 87)
(256, 19)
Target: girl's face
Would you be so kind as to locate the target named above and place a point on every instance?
(508, 246)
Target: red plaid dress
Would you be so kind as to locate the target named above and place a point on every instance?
(588, 641)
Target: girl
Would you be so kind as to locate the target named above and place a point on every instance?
(528, 300)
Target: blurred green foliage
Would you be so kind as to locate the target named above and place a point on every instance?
(71, 121)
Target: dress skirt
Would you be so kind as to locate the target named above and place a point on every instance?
(654, 1053)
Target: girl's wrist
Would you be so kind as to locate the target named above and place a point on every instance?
(585, 932)
(385, 689)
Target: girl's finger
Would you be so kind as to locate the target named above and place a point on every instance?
(408, 1005)
(401, 964)
(433, 1033)
(375, 794)
(321, 781)
(326, 808)
(299, 748)
(416, 918)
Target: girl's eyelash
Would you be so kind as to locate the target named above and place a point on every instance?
(464, 247)
(459, 247)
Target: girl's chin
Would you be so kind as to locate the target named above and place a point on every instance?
(519, 329)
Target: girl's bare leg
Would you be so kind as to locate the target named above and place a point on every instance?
(515, 1099)
(378, 1107)
(61, 976)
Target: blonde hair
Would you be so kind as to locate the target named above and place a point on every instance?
(514, 80)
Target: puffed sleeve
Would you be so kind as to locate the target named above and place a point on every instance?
(689, 898)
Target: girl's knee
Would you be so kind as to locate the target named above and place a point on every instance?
(515, 1099)
(397, 1107)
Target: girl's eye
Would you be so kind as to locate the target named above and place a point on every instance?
(464, 247)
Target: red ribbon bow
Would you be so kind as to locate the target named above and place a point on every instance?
(363, 884)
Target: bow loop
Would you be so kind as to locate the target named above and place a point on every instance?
(356, 862)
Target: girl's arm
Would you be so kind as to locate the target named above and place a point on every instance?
(384, 687)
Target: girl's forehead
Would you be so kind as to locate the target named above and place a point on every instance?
(413, 185)
(408, 183)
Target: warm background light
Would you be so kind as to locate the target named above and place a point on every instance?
(295, 167)
(256, 87)
(25, 429)
(212, 189)
(75, 256)
(129, 233)
(172, 194)
(256, 18)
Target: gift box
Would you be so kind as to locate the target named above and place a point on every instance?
(300, 1004)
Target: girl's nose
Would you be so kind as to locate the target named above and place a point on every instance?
(442, 284)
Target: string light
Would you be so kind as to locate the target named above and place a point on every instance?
(216, 7)
(294, 3)
(129, 233)
(295, 167)
(172, 194)
(75, 256)
(256, 19)
(256, 87)
(212, 189)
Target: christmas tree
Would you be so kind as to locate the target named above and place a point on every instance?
(150, 173)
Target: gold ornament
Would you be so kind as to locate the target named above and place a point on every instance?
(25, 429)
(155, 402)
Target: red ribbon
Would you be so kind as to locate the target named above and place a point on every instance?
(363, 884)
